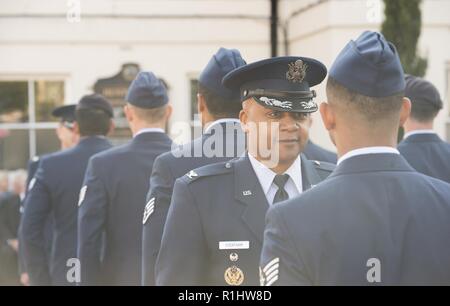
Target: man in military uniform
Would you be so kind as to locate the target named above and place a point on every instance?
(9, 223)
(222, 139)
(421, 146)
(115, 186)
(214, 229)
(375, 220)
(67, 139)
(56, 191)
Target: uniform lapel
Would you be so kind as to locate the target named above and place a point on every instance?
(249, 193)
(310, 178)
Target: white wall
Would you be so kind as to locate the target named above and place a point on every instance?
(323, 30)
(97, 46)
(163, 36)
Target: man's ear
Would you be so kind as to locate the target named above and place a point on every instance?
(169, 110)
(405, 111)
(128, 113)
(111, 127)
(201, 104)
(76, 128)
(328, 116)
(243, 116)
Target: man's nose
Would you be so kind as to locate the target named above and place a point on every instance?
(288, 123)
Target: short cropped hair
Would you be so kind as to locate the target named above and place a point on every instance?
(93, 122)
(150, 115)
(218, 106)
(372, 109)
(423, 112)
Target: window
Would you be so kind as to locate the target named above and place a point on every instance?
(13, 102)
(27, 127)
(196, 126)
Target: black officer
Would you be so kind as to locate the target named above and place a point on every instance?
(67, 139)
(56, 191)
(214, 229)
(115, 186)
(222, 139)
(422, 147)
(374, 220)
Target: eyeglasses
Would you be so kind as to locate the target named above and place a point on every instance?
(69, 125)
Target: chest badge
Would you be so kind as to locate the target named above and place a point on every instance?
(234, 257)
(234, 276)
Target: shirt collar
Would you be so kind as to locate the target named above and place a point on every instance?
(416, 132)
(223, 120)
(266, 176)
(149, 130)
(367, 150)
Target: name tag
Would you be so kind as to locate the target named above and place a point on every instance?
(234, 245)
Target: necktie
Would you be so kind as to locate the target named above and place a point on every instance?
(281, 195)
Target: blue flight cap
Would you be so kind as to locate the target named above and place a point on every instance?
(280, 83)
(369, 66)
(147, 91)
(95, 101)
(224, 61)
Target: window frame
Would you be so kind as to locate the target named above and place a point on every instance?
(32, 126)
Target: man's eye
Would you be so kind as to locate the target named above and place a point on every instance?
(274, 115)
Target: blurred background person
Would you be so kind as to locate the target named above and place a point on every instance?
(421, 146)
(67, 138)
(10, 199)
(116, 183)
(56, 191)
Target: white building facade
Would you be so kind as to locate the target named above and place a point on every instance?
(50, 55)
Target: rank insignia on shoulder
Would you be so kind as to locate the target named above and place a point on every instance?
(149, 208)
(269, 274)
(82, 195)
(192, 174)
(234, 276)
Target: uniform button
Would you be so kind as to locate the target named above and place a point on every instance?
(317, 162)
(228, 165)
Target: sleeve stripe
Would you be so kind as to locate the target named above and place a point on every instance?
(270, 264)
(273, 280)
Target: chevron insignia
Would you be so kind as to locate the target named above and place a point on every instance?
(269, 274)
(149, 208)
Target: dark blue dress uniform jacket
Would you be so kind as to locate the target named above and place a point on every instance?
(56, 192)
(374, 216)
(110, 215)
(167, 168)
(315, 152)
(428, 154)
(223, 202)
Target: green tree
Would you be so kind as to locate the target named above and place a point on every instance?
(402, 27)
